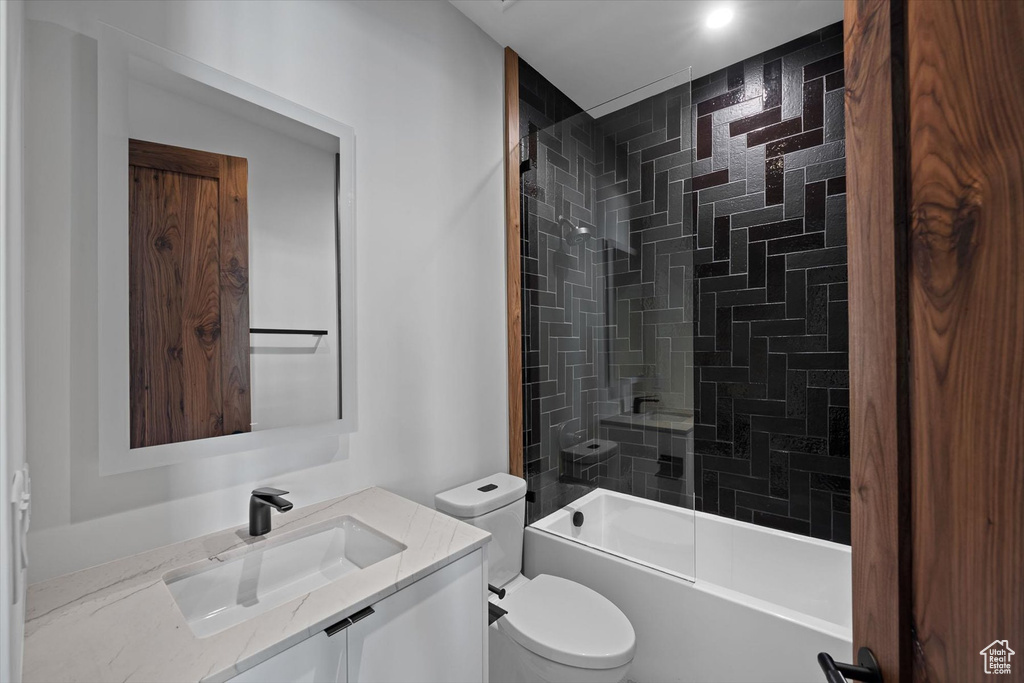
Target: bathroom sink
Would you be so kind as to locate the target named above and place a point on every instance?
(270, 573)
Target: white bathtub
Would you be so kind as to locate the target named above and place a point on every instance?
(711, 599)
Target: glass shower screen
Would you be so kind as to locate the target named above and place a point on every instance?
(608, 238)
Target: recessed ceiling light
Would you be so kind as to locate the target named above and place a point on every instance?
(719, 18)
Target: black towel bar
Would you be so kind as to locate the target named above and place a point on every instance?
(276, 330)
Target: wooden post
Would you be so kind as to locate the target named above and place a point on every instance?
(513, 274)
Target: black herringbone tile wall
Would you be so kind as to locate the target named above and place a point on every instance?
(771, 393)
(720, 289)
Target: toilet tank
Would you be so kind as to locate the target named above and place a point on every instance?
(496, 504)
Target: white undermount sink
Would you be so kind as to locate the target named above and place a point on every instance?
(213, 598)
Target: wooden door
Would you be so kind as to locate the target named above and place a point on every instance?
(966, 141)
(189, 294)
(935, 179)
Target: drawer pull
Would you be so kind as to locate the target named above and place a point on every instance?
(361, 614)
(348, 621)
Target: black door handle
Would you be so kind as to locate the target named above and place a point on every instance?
(866, 669)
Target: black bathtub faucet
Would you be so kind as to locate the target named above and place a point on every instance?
(639, 401)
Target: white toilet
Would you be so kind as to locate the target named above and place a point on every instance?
(556, 631)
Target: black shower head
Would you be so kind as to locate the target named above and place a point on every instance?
(574, 234)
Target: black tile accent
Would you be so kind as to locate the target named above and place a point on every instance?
(797, 343)
(722, 240)
(814, 206)
(772, 83)
(821, 257)
(723, 342)
(824, 66)
(794, 45)
(720, 102)
(774, 181)
(754, 122)
(839, 397)
(834, 81)
(756, 265)
(776, 289)
(704, 137)
(814, 104)
(787, 245)
(734, 76)
(796, 296)
(773, 328)
(758, 312)
(771, 231)
(827, 275)
(777, 131)
(838, 326)
(713, 269)
(795, 143)
(707, 180)
(832, 31)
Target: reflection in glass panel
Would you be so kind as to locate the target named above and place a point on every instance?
(607, 265)
(268, 354)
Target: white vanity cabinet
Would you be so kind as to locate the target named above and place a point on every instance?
(433, 630)
(319, 659)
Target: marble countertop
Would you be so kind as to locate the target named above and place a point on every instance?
(119, 622)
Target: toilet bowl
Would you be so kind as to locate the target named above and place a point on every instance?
(554, 630)
(559, 631)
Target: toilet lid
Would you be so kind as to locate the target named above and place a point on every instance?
(568, 623)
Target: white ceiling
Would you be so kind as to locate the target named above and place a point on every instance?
(597, 50)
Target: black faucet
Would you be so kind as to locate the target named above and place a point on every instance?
(640, 400)
(259, 509)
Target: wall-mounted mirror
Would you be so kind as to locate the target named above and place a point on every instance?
(225, 262)
(233, 317)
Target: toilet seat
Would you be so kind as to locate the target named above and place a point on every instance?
(568, 623)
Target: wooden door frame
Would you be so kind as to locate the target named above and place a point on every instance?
(513, 274)
(877, 238)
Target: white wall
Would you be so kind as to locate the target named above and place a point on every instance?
(291, 221)
(422, 86)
